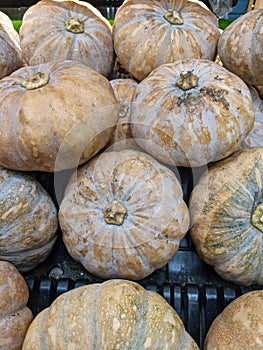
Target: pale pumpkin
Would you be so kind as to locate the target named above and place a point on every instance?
(239, 325)
(28, 220)
(240, 47)
(116, 314)
(190, 113)
(123, 215)
(67, 30)
(54, 116)
(149, 33)
(255, 136)
(11, 53)
(15, 316)
(121, 138)
(226, 208)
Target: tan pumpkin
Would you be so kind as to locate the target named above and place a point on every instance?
(11, 54)
(190, 113)
(149, 33)
(239, 325)
(28, 220)
(123, 90)
(255, 136)
(125, 314)
(54, 116)
(15, 316)
(240, 47)
(67, 30)
(226, 208)
(123, 215)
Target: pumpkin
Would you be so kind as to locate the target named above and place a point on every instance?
(226, 208)
(67, 30)
(28, 220)
(115, 314)
(149, 33)
(239, 325)
(240, 47)
(190, 113)
(259, 89)
(121, 138)
(15, 316)
(54, 115)
(11, 54)
(119, 210)
(254, 137)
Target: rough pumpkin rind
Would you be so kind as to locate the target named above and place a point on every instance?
(54, 116)
(11, 53)
(45, 35)
(144, 39)
(15, 316)
(28, 220)
(191, 113)
(226, 209)
(115, 314)
(239, 326)
(118, 210)
(240, 47)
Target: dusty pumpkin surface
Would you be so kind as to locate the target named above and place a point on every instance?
(54, 116)
(11, 53)
(226, 208)
(239, 326)
(67, 30)
(15, 316)
(191, 113)
(149, 33)
(28, 220)
(240, 47)
(116, 314)
(119, 210)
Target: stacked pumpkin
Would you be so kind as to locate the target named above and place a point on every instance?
(121, 205)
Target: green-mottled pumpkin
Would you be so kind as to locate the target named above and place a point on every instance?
(226, 208)
(67, 30)
(116, 314)
(15, 316)
(28, 220)
(190, 113)
(119, 209)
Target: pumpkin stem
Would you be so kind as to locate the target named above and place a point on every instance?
(173, 17)
(36, 81)
(257, 217)
(187, 80)
(74, 25)
(115, 213)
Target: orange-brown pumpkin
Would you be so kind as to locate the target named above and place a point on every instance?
(123, 89)
(239, 325)
(67, 30)
(191, 113)
(54, 116)
(149, 33)
(11, 54)
(123, 215)
(115, 314)
(15, 316)
(226, 209)
(240, 47)
(28, 220)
